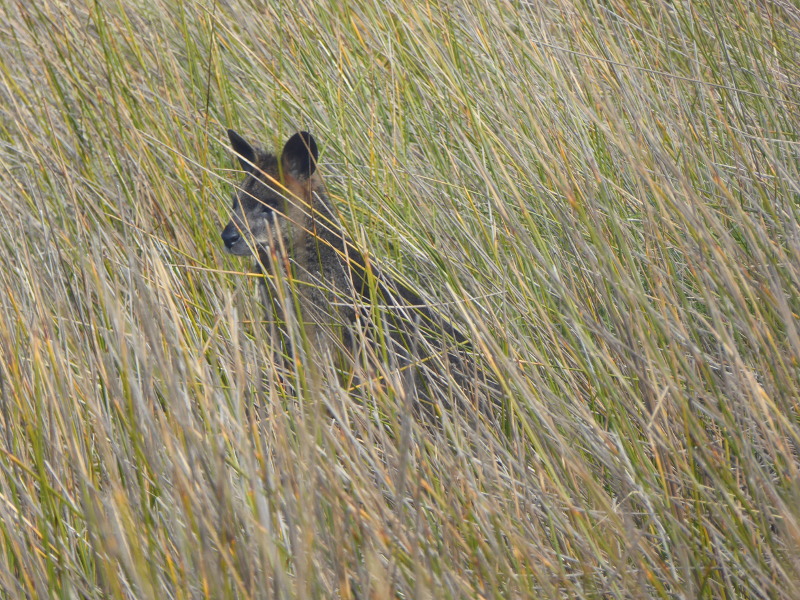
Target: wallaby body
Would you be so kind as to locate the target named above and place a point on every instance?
(282, 216)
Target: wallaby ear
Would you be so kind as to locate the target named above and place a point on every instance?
(247, 154)
(300, 155)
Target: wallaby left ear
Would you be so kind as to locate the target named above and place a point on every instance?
(300, 155)
(244, 151)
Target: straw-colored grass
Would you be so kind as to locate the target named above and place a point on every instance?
(603, 194)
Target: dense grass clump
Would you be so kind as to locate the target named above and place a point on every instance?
(603, 194)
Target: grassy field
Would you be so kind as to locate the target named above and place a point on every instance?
(604, 194)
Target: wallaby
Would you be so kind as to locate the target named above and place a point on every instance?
(282, 215)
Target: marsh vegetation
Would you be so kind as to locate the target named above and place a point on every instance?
(604, 195)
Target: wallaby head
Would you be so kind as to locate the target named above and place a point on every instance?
(272, 205)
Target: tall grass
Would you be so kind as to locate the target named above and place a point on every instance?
(605, 194)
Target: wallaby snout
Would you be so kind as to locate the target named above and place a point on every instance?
(230, 235)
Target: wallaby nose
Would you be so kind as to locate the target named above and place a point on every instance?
(230, 235)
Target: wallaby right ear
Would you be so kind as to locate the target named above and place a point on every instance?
(246, 153)
(300, 155)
